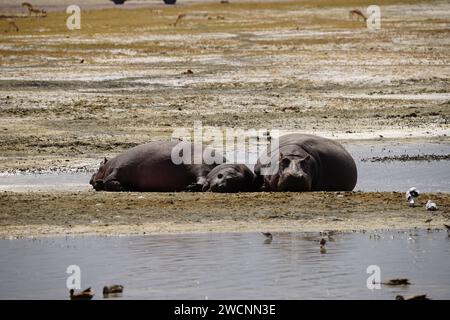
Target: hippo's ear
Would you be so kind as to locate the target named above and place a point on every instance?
(106, 160)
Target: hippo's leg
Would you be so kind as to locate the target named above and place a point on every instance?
(198, 185)
(266, 187)
(259, 183)
(205, 187)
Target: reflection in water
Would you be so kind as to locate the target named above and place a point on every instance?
(229, 266)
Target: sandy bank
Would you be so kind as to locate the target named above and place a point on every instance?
(78, 213)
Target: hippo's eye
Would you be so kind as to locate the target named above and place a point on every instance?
(303, 164)
(285, 162)
(220, 176)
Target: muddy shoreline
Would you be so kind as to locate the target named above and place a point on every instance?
(77, 213)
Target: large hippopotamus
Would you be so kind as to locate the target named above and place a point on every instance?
(229, 177)
(151, 167)
(308, 163)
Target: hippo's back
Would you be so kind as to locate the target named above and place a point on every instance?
(149, 167)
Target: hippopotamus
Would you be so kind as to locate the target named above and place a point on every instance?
(150, 167)
(229, 177)
(308, 163)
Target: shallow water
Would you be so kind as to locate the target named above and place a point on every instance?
(229, 266)
(46, 181)
(427, 176)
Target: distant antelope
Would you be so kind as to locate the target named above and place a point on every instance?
(180, 16)
(12, 26)
(28, 6)
(31, 9)
(357, 13)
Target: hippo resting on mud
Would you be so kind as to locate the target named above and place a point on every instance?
(150, 167)
(308, 163)
(229, 178)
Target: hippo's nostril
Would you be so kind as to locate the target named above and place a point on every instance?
(294, 175)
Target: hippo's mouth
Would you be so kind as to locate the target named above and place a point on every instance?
(92, 181)
(294, 183)
(223, 187)
(218, 188)
(98, 185)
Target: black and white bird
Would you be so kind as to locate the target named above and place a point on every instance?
(431, 206)
(411, 195)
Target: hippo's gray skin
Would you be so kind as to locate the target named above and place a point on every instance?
(149, 167)
(229, 177)
(309, 163)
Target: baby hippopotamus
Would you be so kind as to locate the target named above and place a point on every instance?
(308, 163)
(151, 167)
(230, 178)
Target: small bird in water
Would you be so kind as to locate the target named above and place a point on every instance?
(87, 294)
(112, 290)
(323, 242)
(431, 206)
(268, 235)
(397, 282)
(418, 297)
(411, 196)
(322, 245)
